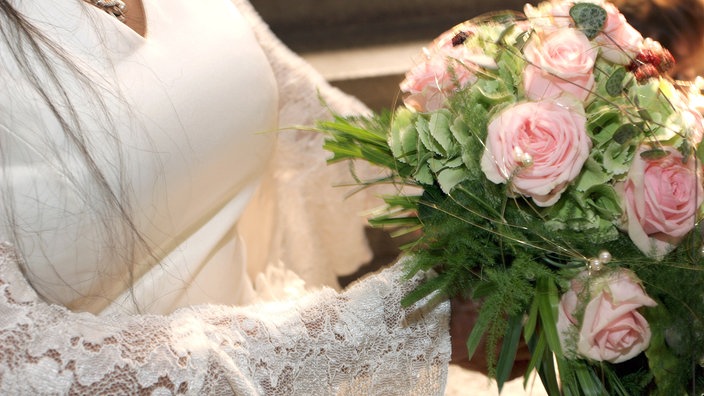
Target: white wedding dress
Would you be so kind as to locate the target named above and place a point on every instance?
(234, 212)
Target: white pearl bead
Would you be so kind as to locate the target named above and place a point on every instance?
(518, 154)
(526, 160)
(595, 265)
(604, 256)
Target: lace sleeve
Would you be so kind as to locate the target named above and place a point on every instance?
(313, 209)
(356, 342)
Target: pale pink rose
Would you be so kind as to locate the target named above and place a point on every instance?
(660, 199)
(566, 321)
(446, 68)
(428, 85)
(611, 328)
(561, 61)
(551, 134)
(618, 40)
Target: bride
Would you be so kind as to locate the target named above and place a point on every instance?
(150, 211)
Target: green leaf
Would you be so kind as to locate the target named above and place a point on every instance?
(625, 133)
(603, 115)
(454, 162)
(615, 383)
(483, 289)
(654, 154)
(548, 374)
(645, 115)
(404, 136)
(537, 352)
(343, 126)
(440, 131)
(493, 93)
(661, 360)
(605, 201)
(617, 158)
(423, 175)
(602, 125)
(341, 151)
(548, 302)
(686, 150)
(614, 84)
(422, 291)
(592, 175)
(481, 203)
(532, 321)
(589, 18)
(590, 385)
(477, 118)
(382, 221)
(700, 153)
(475, 337)
(509, 347)
(378, 156)
(402, 201)
(521, 40)
(449, 178)
(436, 165)
(460, 131)
(424, 135)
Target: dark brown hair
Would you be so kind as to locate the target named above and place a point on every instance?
(39, 60)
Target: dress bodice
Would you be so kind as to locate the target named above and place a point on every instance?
(179, 120)
(186, 107)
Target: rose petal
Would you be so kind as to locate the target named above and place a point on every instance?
(611, 328)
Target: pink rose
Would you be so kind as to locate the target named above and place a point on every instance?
(560, 61)
(660, 200)
(550, 135)
(611, 328)
(447, 67)
(619, 41)
(428, 84)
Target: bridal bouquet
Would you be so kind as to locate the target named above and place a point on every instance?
(560, 175)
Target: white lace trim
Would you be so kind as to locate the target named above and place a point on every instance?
(352, 343)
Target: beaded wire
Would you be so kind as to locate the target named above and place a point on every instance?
(115, 8)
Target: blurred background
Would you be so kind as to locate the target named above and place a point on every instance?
(365, 46)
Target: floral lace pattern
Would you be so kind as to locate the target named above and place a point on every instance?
(357, 342)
